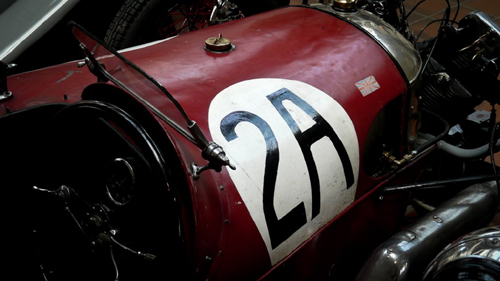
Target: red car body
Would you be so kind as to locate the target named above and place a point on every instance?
(307, 212)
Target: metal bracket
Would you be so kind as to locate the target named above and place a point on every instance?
(216, 159)
(5, 94)
(93, 64)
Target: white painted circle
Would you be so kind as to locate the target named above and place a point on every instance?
(248, 152)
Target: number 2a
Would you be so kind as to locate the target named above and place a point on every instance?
(282, 229)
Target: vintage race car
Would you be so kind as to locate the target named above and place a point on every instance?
(287, 145)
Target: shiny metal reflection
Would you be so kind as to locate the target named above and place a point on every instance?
(480, 244)
(401, 49)
(407, 253)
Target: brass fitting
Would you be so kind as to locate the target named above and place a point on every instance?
(345, 5)
(406, 159)
(391, 159)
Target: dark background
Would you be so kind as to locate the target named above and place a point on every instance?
(59, 45)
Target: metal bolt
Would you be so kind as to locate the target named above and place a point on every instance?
(95, 220)
(437, 219)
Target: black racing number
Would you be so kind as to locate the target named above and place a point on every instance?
(279, 229)
(282, 229)
(306, 139)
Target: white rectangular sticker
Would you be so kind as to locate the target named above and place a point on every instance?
(479, 116)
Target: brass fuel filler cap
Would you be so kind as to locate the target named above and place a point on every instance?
(218, 44)
(345, 5)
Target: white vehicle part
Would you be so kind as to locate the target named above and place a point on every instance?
(26, 21)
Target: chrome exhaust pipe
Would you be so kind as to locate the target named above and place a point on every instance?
(406, 254)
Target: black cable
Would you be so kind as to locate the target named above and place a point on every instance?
(456, 12)
(444, 21)
(413, 9)
(425, 27)
(403, 22)
(492, 143)
(402, 9)
(447, 12)
(431, 22)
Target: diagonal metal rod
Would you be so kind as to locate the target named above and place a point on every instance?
(438, 184)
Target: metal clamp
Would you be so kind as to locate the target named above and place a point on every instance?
(216, 159)
(5, 94)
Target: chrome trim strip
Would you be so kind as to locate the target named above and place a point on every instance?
(401, 49)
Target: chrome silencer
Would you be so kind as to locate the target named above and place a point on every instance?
(406, 255)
